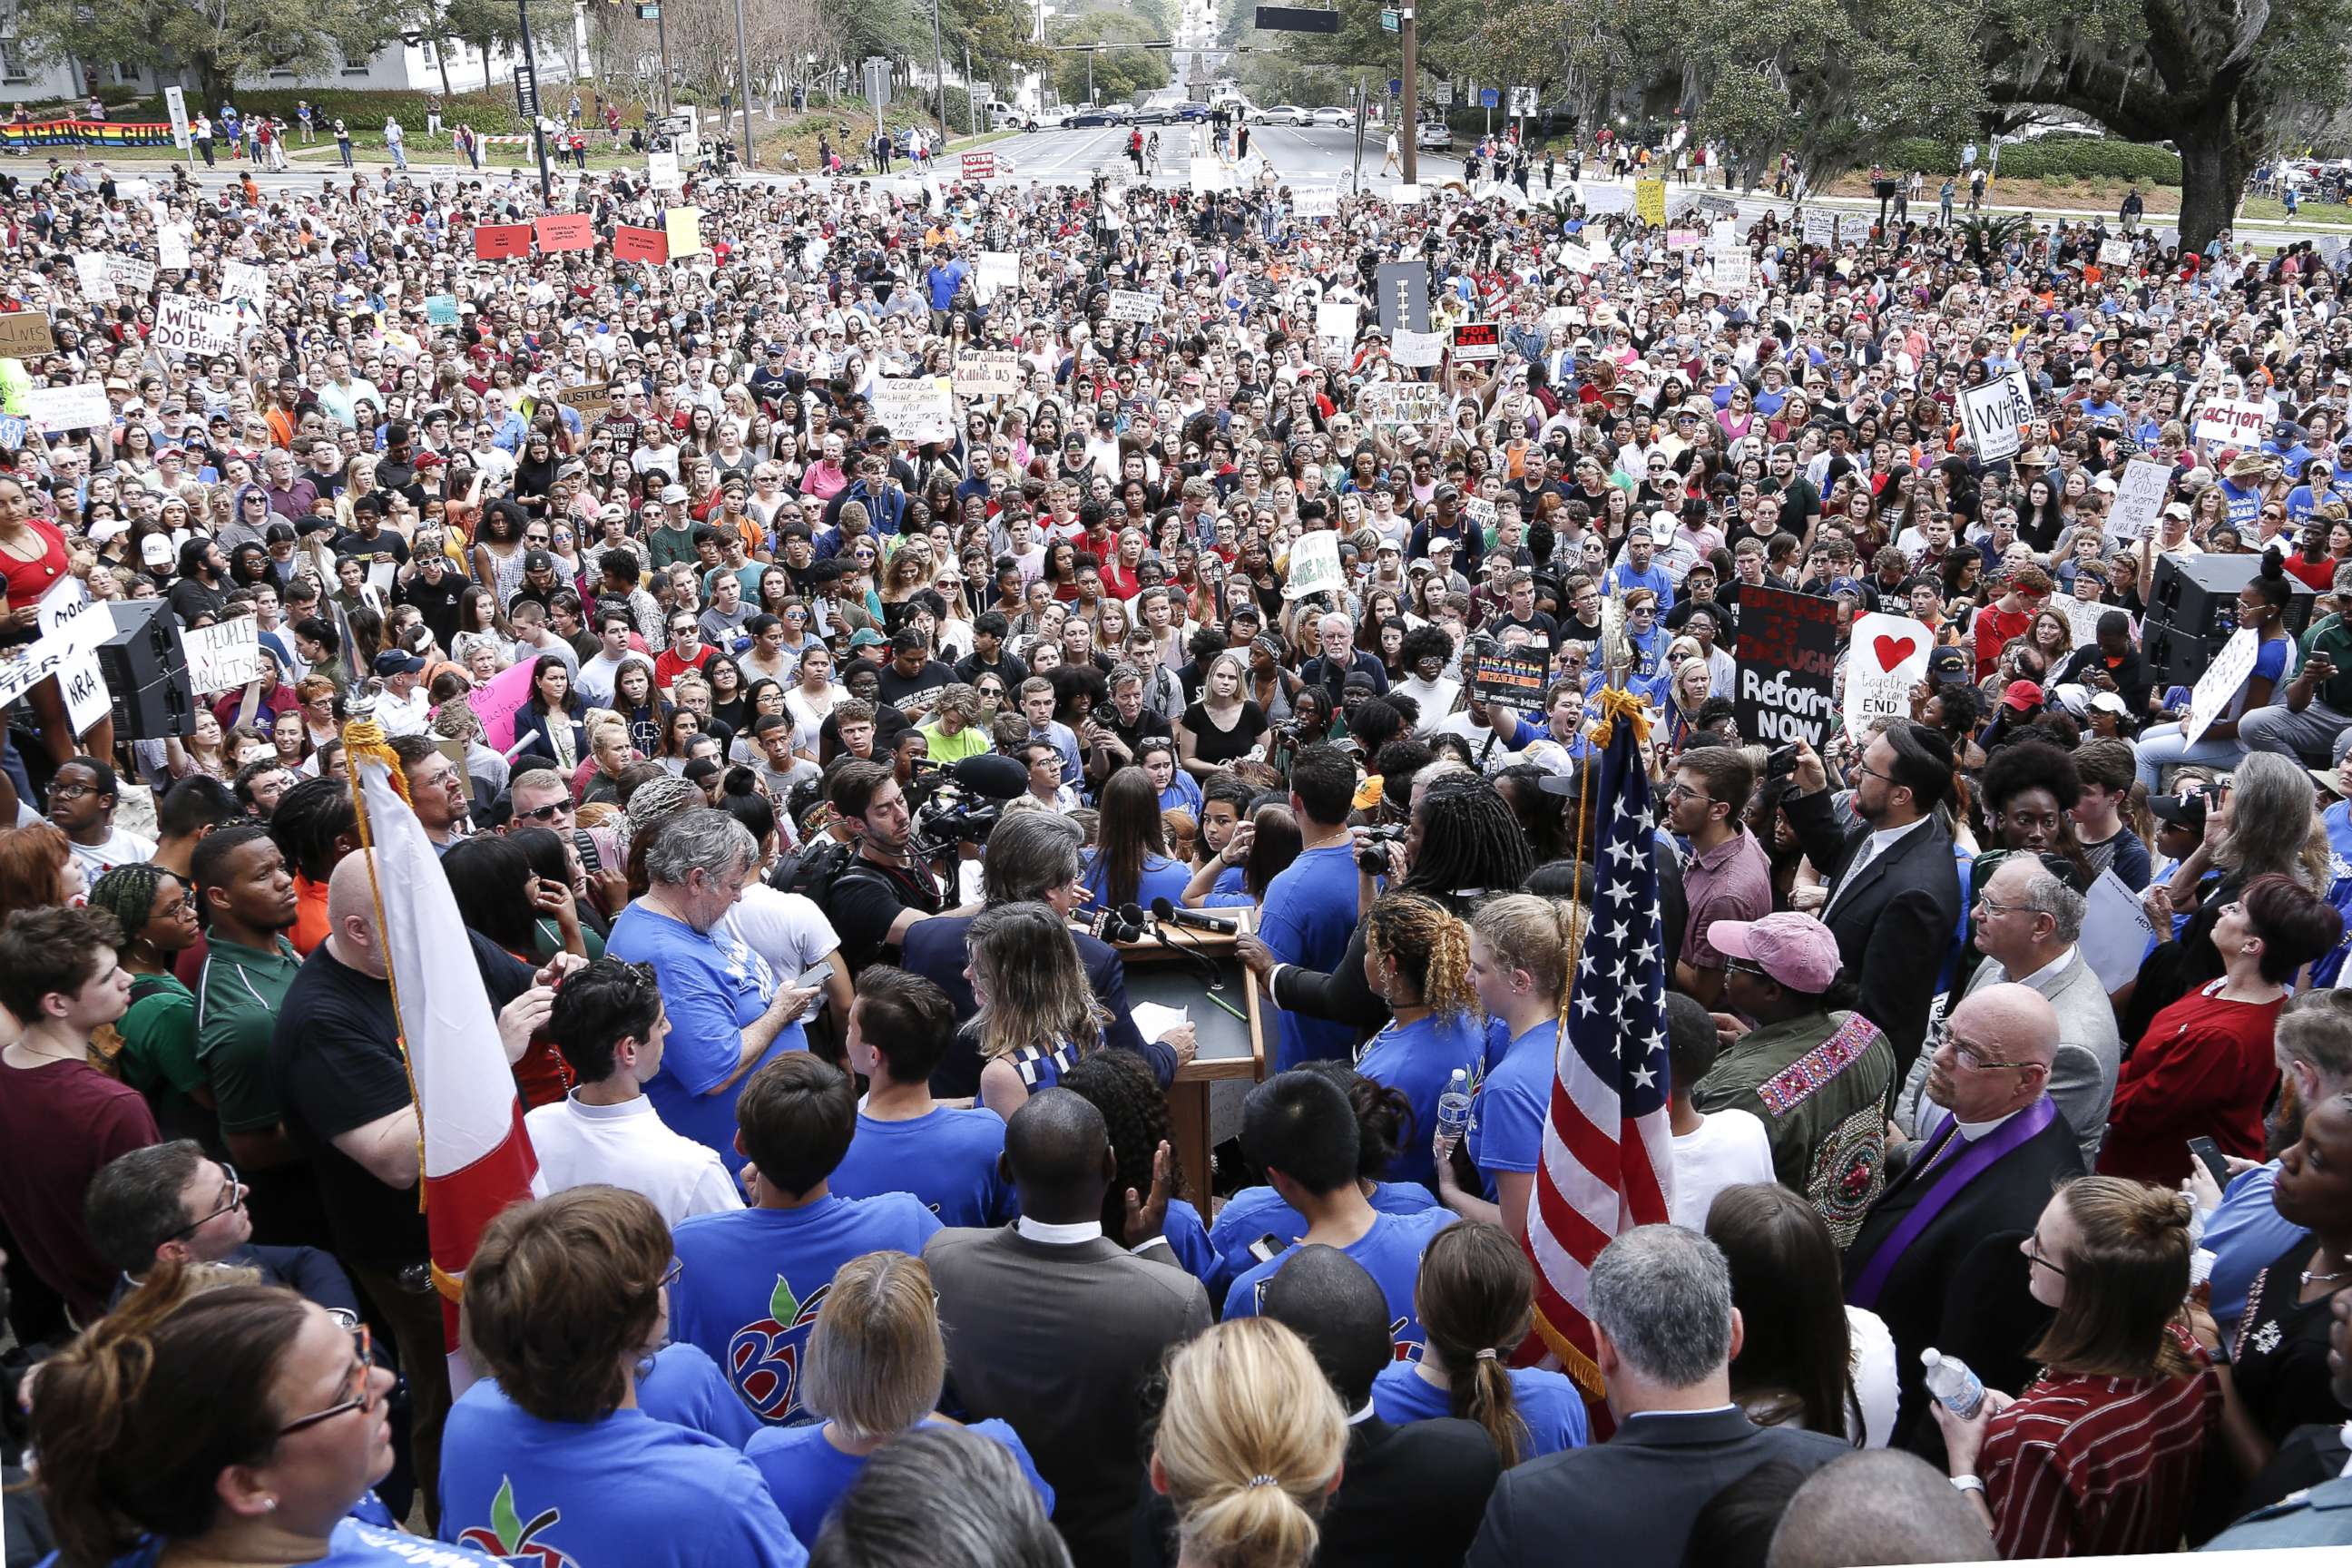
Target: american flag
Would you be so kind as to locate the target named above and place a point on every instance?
(1607, 1149)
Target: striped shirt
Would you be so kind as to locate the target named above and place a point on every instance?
(2087, 1466)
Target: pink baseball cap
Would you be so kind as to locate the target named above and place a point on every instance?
(1795, 949)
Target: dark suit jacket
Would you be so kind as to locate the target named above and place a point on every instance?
(1409, 1497)
(1060, 1340)
(1961, 1286)
(1894, 924)
(1629, 1502)
(936, 949)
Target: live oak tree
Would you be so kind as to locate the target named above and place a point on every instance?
(212, 43)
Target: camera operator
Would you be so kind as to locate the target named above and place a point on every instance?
(1032, 856)
(888, 889)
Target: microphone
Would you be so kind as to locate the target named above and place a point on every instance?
(1188, 953)
(1115, 925)
(991, 776)
(1225, 925)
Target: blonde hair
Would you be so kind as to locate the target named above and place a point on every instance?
(876, 1360)
(1431, 946)
(1540, 935)
(1249, 1446)
(1036, 989)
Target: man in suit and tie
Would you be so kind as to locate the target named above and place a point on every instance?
(1664, 1332)
(1938, 1254)
(1894, 888)
(1054, 1328)
(1031, 856)
(1410, 1496)
(2028, 922)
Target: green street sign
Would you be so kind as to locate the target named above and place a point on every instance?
(1389, 22)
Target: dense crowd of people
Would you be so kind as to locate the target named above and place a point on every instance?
(805, 734)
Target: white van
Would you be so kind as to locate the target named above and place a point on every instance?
(1003, 116)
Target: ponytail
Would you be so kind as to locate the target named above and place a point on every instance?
(1249, 1446)
(1475, 1295)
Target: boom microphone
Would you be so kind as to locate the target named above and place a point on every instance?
(991, 776)
(1225, 925)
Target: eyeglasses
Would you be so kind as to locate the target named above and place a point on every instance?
(1741, 966)
(1969, 1059)
(366, 1399)
(2034, 1255)
(71, 791)
(233, 1191)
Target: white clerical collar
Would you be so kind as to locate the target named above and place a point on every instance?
(1059, 1234)
(1973, 1130)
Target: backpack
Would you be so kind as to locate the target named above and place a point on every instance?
(814, 870)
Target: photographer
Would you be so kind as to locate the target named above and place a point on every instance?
(1032, 856)
(887, 889)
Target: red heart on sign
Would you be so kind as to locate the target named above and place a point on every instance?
(1893, 651)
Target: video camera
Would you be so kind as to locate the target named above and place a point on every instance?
(966, 802)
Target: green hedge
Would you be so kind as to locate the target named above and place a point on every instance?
(491, 113)
(2048, 157)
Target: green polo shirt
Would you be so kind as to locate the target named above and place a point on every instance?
(238, 999)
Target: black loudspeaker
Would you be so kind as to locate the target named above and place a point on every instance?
(2192, 610)
(146, 672)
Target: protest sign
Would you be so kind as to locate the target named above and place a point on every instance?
(1314, 565)
(1996, 415)
(497, 701)
(1315, 201)
(1820, 227)
(171, 244)
(985, 165)
(1478, 341)
(441, 310)
(661, 171)
(1515, 680)
(914, 407)
(1577, 258)
(1788, 657)
(987, 372)
(682, 226)
(1134, 305)
(497, 241)
(243, 280)
(1208, 176)
(25, 332)
(2116, 931)
(1854, 229)
(55, 409)
(14, 429)
(565, 231)
(997, 269)
(1415, 349)
(2139, 500)
(222, 657)
(1602, 199)
(1478, 510)
(1402, 196)
(587, 399)
(1387, 405)
(100, 272)
(2218, 685)
(1888, 658)
(650, 245)
(1335, 320)
(2082, 616)
(186, 326)
(2232, 424)
(1404, 296)
(2114, 253)
(1650, 202)
(1734, 267)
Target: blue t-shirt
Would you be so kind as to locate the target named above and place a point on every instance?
(806, 1475)
(946, 1159)
(2246, 1234)
(711, 986)
(1188, 1238)
(1309, 915)
(1160, 878)
(353, 1544)
(1417, 1059)
(627, 1489)
(1391, 1253)
(685, 1387)
(1548, 1402)
(1230, 892)
(1183, 793)
(753, 1280)
(1507, 1113)
(2244, 505)
(1254, 1214)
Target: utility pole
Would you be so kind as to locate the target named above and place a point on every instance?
(1409, 105)
(661, 40)
(940, 77)
(971, 103)
(527, 91)
(1357, 173)
(743, 80)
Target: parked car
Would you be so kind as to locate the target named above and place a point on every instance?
(1283, 114)
(1433, 136)
(1333, 115)
(1102, 114)
(1004, 117)
(1188, 112)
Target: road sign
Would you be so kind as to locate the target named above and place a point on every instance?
(1488, 98)
(527, 90)
(1523, 101)
(876, 79)
(1396, 84)
(1389, 23)
(1441, 93)
(648, 13)
(1295, 20)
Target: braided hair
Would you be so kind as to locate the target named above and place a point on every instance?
(129, 894)
(1118, 1084)
(1470, 838)
(1430, 946)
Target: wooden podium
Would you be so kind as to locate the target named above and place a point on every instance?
(1172, 975)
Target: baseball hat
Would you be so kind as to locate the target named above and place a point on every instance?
(865, 637)
(155, 549)
(673, 495)
(538, 560)
(1794, 950)
(2180, 810)
(1948, 667)
(392, 661)
(2108, 702)
(2021, 695)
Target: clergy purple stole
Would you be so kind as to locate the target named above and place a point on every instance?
(1944, 1184)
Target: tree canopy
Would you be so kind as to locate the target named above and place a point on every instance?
(218, 42)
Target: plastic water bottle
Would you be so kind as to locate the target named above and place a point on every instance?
(1950, 1380)
(1453, 1106)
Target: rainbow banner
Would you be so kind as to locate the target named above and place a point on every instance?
(87, 133)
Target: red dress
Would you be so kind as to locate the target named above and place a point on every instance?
(2205, 1069)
